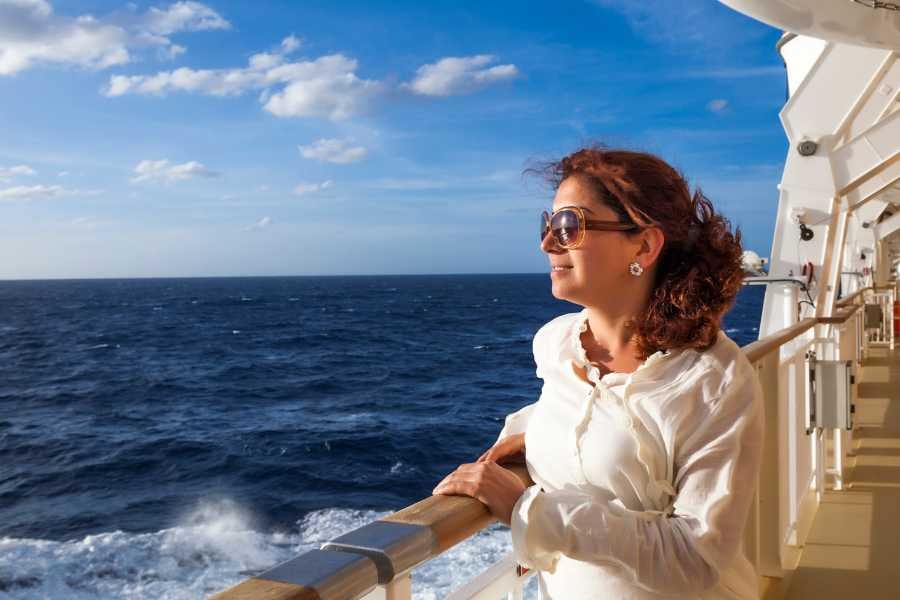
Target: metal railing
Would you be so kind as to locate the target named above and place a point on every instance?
(376, 561)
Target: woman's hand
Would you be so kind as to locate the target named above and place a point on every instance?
(510, 449)
(498, 488)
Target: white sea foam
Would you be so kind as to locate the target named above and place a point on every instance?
(214, 547)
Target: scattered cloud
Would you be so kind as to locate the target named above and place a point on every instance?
(325, 87)
(16, 171)
(311, 188)
(685, 25)
(29, 192)
(336, 151)
(393, 184)
(62, 174)
(290, 43)
(31, 34)
(717, 106)
(26, 193)
(460, 75)
(261, 224)
(738, 73)
(183, 16)
(163, 170)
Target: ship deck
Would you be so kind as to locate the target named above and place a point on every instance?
(854, 542)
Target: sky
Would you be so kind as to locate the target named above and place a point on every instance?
(161, 139)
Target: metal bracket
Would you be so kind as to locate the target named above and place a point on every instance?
(394, 547)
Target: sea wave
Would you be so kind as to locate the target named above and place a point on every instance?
(214, 547)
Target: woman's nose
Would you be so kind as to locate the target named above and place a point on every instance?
(549, 245)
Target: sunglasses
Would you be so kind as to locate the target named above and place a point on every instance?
(568, 226)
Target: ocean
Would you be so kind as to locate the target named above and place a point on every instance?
(166, 438)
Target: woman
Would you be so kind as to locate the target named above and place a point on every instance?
(645, 444)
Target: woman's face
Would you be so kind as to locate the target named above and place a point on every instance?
(599, 266)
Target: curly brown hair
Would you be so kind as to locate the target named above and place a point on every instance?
(696, 281)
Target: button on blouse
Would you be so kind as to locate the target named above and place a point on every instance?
(643, 480)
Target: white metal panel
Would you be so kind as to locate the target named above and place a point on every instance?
(830, 91)
(885, 91)
(800, 54)
(867, 154)
(836, 20)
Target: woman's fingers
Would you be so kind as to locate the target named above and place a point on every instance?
(492, 485)
(463, 473)
(509, 446)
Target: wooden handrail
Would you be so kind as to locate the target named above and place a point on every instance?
(841, 315)
(755, 351)
(452, 519)
(851, 298)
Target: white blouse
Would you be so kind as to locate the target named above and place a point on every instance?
(643, 480)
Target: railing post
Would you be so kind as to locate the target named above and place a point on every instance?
(400, 588)
(770, 475)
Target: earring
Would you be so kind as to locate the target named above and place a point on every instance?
(635, 269)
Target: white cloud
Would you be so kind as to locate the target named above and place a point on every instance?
(459, 75)
(327, 86)
(261, 224)
(407, 185)
(162, 170)
(333, 151)
(290, 43)
(678, 23)
(736, 73)
(718, 105)
(31, 33)
(30, 192)
(311, 188)
(16, 171)
(62, 174)
(183, 16)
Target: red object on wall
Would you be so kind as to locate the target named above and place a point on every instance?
(896, 318)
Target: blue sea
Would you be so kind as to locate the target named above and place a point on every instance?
(165, 438)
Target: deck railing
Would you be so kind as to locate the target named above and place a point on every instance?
(376, 561)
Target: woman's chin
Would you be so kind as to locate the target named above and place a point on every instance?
(561, 290)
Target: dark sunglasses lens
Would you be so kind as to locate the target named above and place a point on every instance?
(565, 227)
(545, 224)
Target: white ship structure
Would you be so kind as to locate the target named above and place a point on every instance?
(825, 521)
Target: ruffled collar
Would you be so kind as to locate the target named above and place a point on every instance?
(579, 354)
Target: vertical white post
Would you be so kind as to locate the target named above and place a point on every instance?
(791, 298)
(838, 461)
(400, 588)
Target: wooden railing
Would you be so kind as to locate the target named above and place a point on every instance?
(376, 560)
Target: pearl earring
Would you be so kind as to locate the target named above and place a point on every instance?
(635, 269)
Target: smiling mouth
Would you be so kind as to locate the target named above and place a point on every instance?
(559, 269)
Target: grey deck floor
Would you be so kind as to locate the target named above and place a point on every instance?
(853, 550)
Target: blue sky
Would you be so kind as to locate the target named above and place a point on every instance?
(288, 138)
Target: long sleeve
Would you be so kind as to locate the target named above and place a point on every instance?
(516, 422)
(717, 467)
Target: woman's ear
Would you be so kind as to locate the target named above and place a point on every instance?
(650, 246)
